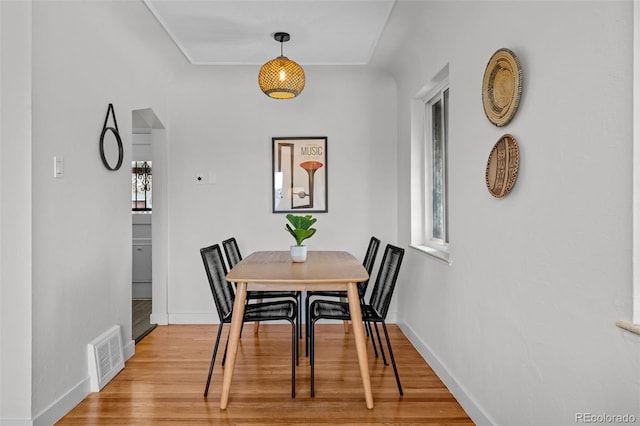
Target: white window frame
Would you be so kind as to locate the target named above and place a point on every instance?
(429, 160)
(633, 325)
(421, 171)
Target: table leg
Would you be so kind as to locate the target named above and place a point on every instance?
(345, 323)
(256, 325)
(234, 338)
(361, 342)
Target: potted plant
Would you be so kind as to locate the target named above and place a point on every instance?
(300, 229)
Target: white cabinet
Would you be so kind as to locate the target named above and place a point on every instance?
(141, 253)
(141, 261)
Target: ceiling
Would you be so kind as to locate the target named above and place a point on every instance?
(240, 32)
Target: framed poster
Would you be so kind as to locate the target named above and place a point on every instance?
(299, 174)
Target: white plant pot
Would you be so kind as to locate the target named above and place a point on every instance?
(298, 253)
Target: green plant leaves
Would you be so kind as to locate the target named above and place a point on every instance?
(301, 229)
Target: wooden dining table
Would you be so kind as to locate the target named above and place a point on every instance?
(274, 270)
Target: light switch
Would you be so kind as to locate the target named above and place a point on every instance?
(58, 167)
(212, 177)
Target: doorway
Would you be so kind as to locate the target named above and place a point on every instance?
(148, 142)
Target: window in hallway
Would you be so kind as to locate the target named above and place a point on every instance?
(141, 186)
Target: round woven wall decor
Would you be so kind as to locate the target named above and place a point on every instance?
(501, 87)
(502, 166)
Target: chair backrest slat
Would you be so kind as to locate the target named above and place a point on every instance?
(221, 289)
(386, 280)
(369, 261)
(231, 251)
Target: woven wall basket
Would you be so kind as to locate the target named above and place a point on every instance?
(502, 166)
(501, 87)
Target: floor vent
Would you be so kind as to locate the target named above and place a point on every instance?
(106, 358)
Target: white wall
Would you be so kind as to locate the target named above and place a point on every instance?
(15, 211)
(85, 56)
(522, 324)
(221, 122)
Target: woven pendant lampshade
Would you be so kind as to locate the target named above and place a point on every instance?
(281, 78)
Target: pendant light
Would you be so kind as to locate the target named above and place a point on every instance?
(281, 78)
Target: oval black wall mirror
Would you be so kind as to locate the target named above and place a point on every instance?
(111, 151)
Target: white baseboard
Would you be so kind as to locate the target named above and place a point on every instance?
(211, 318)
(15, 422)
(68, 401)
(129, 350)
(160, 319)
(63, 405)
(204, 318)
(470, 405)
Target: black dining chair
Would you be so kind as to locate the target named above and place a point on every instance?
(224, 297)
(374, 312)
(368, 262)
(232, 253)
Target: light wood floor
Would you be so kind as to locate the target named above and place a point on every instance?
(163, 383)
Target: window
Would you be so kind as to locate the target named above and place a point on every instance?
(141, 186)
(437, 124)
(429, 183)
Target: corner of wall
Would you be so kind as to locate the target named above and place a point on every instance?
(473, 409)
(129, 350)
(64, 404)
